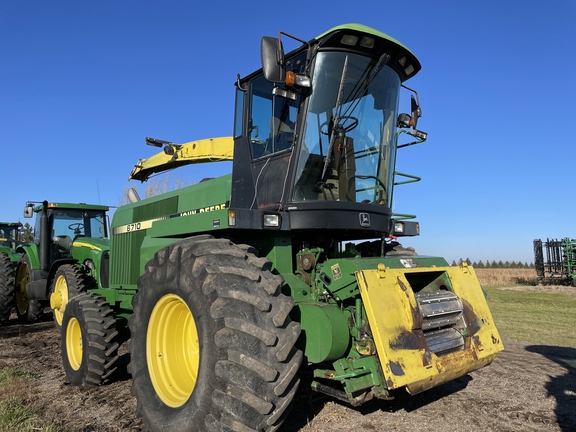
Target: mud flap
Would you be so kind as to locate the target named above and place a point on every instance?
(396, 321)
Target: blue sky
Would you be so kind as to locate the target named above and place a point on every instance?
(83, 82)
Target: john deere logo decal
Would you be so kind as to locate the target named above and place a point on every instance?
(365, 220)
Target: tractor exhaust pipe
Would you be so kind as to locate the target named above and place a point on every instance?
(45, 238)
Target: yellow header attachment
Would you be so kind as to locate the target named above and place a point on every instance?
(399, 317)
(176, 155)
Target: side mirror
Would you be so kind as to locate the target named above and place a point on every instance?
(29, 210)
(272, 56)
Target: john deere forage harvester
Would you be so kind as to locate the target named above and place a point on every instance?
(239, 289)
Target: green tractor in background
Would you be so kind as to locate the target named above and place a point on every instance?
(9, 233)
(238, 290)
(59, 262)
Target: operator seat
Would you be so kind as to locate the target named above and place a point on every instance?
(64, 241)
(281, 136)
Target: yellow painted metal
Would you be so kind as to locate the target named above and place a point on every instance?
(21, 281)
(172, 350)
(59, 298)
(74, 343)
(87, 245)
(393, 314)
(201, 151)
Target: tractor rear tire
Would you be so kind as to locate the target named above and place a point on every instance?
(212, 343)
(89, 341)
(67, 284)
(28, 311)
(6, 288)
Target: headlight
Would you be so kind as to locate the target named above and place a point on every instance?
(271, 220)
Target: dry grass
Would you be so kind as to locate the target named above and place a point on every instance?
(18, 413)
(501, 277)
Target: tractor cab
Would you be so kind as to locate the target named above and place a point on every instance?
(9, 235)
(66, 223)
(316, 134)
(64, 233)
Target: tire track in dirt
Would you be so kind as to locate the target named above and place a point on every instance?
(528, 387)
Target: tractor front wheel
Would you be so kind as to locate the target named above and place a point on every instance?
(6, 288)
(89, 341)
(212, 344)
(67, 284)
(28, 311)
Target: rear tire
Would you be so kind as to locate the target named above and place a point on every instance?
(28, 311)
(212, 345)
(67, 284)
(399, 250)
(89, 341)
(6, 288)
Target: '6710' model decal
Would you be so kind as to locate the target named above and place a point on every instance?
(138, 226)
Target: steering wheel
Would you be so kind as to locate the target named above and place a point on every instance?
(77, 228)
(342, 120)
(363, 177)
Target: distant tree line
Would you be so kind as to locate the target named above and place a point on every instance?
(26, 234)
(495, 264)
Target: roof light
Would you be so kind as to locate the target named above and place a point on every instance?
(409, 70)
(349, 40)
(367, 42)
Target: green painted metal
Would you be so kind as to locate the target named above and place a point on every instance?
(325, 333)
(364, 29)
(32, 251)
(9, 239)
(149, 223)
(570, 259)
(86, 249)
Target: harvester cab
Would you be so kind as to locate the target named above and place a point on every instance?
(232, 284)
(66, 236)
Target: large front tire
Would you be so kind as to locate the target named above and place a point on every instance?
(28, 311)
(6, 288)
(67, 284)
(89, 341)
(212, 345)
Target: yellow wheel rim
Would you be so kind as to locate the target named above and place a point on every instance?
(74, 343)
(59, 299)
(172, 350)
(22, 279)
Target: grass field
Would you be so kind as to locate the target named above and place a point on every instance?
(527, 312)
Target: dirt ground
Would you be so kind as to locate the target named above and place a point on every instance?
(527, 388)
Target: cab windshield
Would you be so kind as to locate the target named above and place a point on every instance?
(348, 142)
(8, 235)
(69, 224)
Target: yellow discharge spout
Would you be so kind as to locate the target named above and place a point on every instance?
(201, 151)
